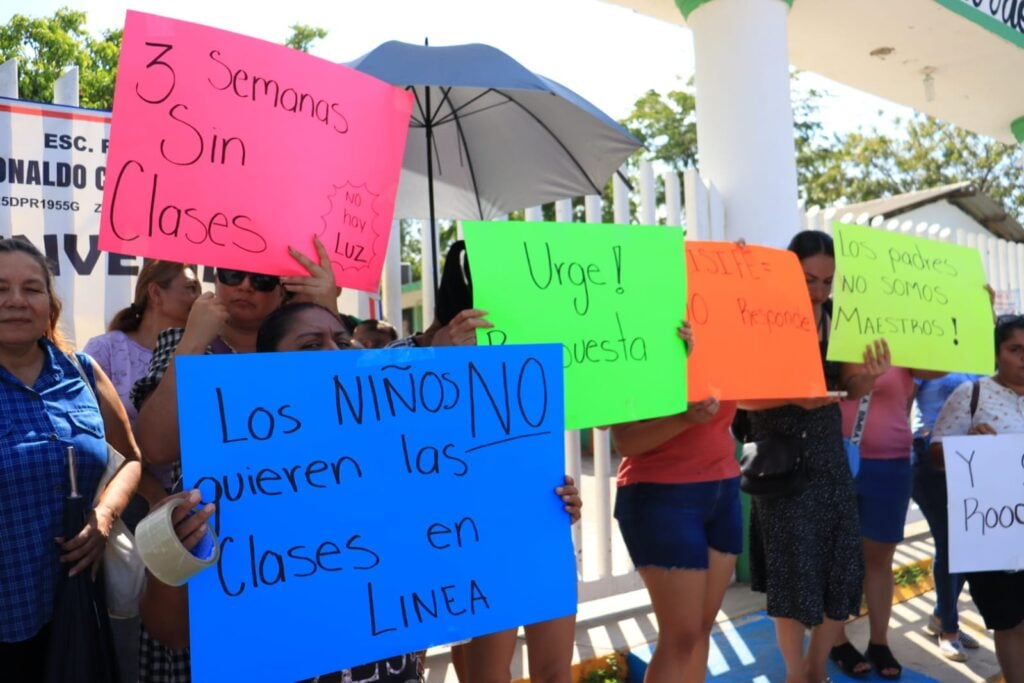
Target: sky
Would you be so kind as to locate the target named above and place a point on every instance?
(606, 53)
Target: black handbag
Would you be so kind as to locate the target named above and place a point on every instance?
(774, 467)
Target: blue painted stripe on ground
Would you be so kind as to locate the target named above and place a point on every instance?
(745, 651)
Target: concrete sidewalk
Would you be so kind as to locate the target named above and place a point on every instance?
(743, 643)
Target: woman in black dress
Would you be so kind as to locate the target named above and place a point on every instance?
(806, 550)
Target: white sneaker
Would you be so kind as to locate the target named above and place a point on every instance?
(934, 627)
(968, 641)
(952, 650)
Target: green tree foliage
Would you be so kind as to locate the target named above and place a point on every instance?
(667, 127)
(303, 36)
(412, 246)
(926, 153)
(853, 167)
(45, 47)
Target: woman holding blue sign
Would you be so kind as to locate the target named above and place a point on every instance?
(994, 405)
(224, 322)
(678, 508)
(310, 327)
(293, 327)
(488, 659)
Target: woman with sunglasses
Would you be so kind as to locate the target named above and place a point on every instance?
(223, 322)
(226, 321)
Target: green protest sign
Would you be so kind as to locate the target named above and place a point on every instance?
(612, 295)
(926, 298)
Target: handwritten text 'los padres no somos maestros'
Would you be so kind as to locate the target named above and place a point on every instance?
(908, 273)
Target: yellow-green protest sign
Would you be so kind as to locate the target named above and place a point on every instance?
(926, 298)
(612, 295)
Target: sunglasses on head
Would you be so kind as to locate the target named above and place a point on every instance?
(261, 283)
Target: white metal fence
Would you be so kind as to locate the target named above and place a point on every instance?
(603, 564)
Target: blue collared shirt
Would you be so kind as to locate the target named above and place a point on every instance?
(931, 395)
(37, 424)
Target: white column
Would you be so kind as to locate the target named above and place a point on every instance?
(65, 88)
(427, 269)
(391, 278)
(744, 116)
(9, 79)
(563, 211)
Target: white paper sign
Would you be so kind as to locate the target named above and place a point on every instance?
(985, 482)
(52, 170)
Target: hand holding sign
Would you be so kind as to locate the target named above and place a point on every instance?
(982, 428)
(462, 329)
(319, 286)
(877, 359)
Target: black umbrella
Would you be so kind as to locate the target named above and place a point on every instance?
(81, 648)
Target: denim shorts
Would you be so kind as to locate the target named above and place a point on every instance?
(673, 525)
(883, 496)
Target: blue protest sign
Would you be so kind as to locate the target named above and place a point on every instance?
(372, 503)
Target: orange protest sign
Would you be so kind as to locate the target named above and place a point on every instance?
(753, 327)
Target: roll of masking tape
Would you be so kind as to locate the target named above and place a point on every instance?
(162, 551)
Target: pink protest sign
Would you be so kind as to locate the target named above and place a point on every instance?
(225, 150)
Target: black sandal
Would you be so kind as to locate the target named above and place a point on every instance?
(881, 658)
(847, 658)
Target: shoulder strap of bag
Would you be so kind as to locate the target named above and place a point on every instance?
(114, 457)
(975, 393)
(861, 419)
(89, 381)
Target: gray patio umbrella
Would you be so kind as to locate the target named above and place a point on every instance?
(488, 136)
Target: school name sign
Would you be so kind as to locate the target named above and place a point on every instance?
(226, 150)
(926, 298)
(52, 173)
(985, 484)
(372, 503)
(612, 296)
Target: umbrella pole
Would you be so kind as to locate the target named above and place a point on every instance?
(428, 121)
